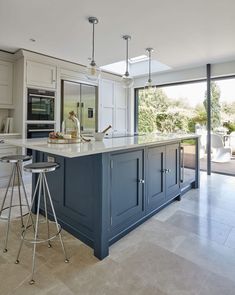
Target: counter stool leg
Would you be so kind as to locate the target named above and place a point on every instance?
(9, 213)
(57, 225)
(25, 195)
(27, 222)
(32, 281)
(46, 215)
(19, 194)
(8, 185)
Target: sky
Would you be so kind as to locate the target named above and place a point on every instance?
(195, 92)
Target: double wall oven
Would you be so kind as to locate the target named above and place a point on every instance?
(40, 113)
(41, 105)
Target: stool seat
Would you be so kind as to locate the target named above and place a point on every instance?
(15, 158)
(41, 167)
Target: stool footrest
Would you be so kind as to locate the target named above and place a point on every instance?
(39, 241)
(13, 206)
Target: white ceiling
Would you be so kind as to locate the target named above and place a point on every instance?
(184, 33)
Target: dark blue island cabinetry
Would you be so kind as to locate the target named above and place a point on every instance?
(162, 175)
(101, 197)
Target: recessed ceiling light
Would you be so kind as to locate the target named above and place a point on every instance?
(32, 40)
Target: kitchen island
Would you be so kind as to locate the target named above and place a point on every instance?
(103, 190)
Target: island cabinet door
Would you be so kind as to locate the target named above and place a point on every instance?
(126, 188)
(155, 177)
(172, 171)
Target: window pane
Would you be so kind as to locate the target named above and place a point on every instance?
(177, 108)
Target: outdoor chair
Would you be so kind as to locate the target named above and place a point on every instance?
(220, 153)
(232, 141)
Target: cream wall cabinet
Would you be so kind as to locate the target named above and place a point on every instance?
(40, 75)
(6, 75)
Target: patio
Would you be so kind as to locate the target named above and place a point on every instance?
(227, 168)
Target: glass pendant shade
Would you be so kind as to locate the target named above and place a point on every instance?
(127, 81)
(93, 72)
(149, 89)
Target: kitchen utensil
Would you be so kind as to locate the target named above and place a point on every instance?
(106, 129)
(99, 136)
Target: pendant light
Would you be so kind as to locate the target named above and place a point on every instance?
(93, 72)
(149, 89)
(127, 80)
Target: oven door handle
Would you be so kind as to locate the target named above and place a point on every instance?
(42, 95)
(41, 130)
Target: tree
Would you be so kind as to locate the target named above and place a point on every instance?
(149, 106)
(159, 113)
(215, 105)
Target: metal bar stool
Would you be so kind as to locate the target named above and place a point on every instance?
(42, 187)
(16, 172)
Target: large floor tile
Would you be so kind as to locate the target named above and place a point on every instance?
(204, 227)
(209, 255)
(231, 239)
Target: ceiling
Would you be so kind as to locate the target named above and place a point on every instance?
(184, 33)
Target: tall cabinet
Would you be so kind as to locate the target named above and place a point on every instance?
(6, 76)
(113, 106)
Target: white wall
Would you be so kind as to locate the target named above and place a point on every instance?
(173, 76)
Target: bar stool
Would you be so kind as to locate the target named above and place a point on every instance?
(16, 172)
(41, 168)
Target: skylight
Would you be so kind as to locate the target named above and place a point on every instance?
(138, 66)
(138, 59)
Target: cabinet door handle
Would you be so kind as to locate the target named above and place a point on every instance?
(141, 181)
(167, 170)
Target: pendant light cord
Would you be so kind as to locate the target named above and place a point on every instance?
(93, 45)
(150, 58)
(127, 57)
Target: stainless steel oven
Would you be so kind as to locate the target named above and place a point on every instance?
(38, 131)
(41, 105)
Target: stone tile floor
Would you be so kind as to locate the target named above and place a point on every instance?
(187, 248)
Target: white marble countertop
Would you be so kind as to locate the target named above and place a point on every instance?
(96, 147)
(9, 134)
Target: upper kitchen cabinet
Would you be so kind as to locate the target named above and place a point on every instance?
(6, 75)
(40, 75)
(113, 106)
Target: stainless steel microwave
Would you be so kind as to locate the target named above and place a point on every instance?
(41, 105)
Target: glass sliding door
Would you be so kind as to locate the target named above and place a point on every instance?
(177, 108)
(174, 108)
(223, 125)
